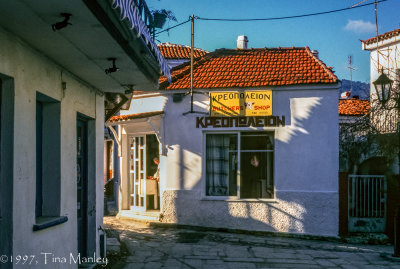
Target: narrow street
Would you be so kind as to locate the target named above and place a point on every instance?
(155, 246)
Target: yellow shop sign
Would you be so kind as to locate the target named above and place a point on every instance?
(248, 103)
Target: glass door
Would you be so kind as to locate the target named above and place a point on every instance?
(137, 172)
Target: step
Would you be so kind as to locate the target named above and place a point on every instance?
(137, 215)
(113, 245)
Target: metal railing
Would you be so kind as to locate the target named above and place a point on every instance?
(146, 15)
(367, 196)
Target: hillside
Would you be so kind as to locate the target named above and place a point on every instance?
(359, 88)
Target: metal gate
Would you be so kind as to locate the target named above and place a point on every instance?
(367, 203)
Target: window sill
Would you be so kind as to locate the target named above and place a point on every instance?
(229, 199)
(47, 222)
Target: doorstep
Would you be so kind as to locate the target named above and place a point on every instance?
(143, 216)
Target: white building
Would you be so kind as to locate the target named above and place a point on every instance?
(174, 55)
(384, 58)
(384, 52)
(265, 162)
(53, 84)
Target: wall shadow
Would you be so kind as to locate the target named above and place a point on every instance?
(289, 213)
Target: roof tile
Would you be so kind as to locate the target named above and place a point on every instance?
(252, 68)
(353, 107)
(135, 116)
(174, 51)
(382, 36)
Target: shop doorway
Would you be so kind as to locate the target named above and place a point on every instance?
(144, 191)
(82, 189)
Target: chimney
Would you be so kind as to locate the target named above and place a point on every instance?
(242, 42)
(315, 53)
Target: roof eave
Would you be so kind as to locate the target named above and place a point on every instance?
(136, 48)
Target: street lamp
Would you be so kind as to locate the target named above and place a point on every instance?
(383, 86)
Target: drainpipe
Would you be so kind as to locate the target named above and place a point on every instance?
(116, 139)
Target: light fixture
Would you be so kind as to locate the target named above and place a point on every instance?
(62, 24)
(112, 69)
(383, 86)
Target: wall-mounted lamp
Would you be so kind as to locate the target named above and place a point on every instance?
(112, 69)
(383, 86)
(62, 24)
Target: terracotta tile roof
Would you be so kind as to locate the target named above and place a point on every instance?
(381, 37)
(174, 51)
(135, 116)
(226, 68)
(353, 107)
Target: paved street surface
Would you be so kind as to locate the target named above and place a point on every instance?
(163, 247)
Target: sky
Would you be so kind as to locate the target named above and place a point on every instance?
(336, 36)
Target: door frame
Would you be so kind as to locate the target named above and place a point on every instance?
(6, 166)
(83, 239)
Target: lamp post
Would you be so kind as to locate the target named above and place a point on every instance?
(383, 87)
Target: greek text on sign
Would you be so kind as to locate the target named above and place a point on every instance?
(248, 103)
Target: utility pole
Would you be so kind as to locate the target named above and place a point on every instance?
(191, 61)
(377, 38)
(192, 18)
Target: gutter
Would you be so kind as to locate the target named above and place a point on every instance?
(126, 38)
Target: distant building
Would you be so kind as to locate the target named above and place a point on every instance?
(178, 54)
(260, 151)
(351, 109)
(352, 112)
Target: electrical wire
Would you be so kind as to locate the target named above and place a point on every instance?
(172, 27)
(275, 18)
(292, 17)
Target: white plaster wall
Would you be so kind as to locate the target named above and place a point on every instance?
(142, 105)
(305, 172)
(34, 72)
(389, 61)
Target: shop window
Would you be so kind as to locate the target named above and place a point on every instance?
(48, 154)
(243, 159)
(110, 159)
(109, 169)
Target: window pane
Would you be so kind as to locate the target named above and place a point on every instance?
(256, 175)
(256, 141)
(233, 173)
(221, 164)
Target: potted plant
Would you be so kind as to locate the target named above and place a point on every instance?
(160, 16)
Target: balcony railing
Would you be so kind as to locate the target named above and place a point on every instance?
(146, 15)
(141, 19)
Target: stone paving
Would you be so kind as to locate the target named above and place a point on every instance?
(163, 247)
